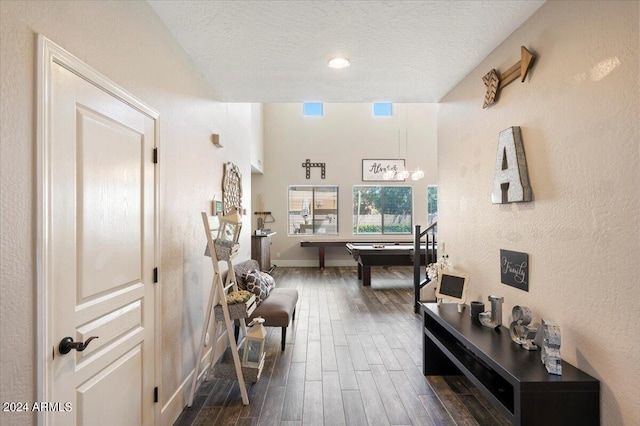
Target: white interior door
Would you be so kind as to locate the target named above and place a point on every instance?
(99, 213)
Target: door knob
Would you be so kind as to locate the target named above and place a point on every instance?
(67, 344)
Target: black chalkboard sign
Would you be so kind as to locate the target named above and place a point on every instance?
(451, 285)
(514, 269)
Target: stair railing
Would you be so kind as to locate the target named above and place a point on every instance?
(430, 256)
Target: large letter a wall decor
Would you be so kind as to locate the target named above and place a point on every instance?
(511, 178)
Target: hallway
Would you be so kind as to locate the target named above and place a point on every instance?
(353, 356)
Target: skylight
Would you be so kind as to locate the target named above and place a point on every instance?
(382, 109)
(312, 109)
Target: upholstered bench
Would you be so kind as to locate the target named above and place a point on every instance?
(278, 309)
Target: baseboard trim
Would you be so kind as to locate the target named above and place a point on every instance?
(178, 401)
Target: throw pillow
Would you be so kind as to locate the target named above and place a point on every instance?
(268, 280)
(256, 285)
(241, 281)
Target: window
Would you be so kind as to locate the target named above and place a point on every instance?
(313, 210)
(382, 109)
(382, 209)
(432, 204)
(312, 109)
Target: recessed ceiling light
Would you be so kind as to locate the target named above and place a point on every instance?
(337, 63)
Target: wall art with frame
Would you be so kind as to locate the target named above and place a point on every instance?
(374, 170)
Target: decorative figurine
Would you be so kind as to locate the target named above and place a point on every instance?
(550, 354)
(477, 308)
(493, 319)
(520, 331)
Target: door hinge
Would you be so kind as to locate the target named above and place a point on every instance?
(155, 155)
(155, 394)
(155, 275)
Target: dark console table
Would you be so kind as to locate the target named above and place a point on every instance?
(261, 250)
(512, 378)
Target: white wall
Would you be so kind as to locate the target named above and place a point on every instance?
(128, 43)
(346, 134)
(578, 111)
(257, 141)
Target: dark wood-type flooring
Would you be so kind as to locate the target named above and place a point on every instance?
(353, 357)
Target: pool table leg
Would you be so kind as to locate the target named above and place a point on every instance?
(321, 257)
(359, 270)
(366, 275)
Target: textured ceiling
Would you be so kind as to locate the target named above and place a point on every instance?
(277, 51)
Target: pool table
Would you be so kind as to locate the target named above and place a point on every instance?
(383, 254)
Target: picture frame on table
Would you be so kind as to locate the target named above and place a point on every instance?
(218, 207)
(373, 170)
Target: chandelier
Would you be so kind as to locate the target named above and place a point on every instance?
(416, 174)
(392, 174)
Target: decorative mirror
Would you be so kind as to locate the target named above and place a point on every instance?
(231, 189)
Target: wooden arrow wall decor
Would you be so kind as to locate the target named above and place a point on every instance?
(495, 82)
